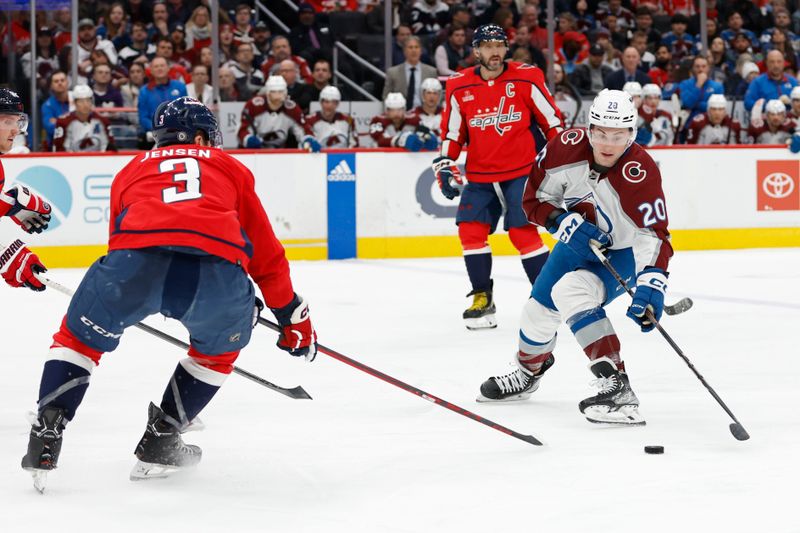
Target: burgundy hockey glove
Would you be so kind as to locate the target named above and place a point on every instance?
(297, 335)
(18, 266)
(30, 211)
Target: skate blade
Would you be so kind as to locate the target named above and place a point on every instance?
(142, 471)
(626, 415)
(483, 322)
(39, 479)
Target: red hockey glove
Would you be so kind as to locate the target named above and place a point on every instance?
(18, 266)
(297, 336)
(29, 210)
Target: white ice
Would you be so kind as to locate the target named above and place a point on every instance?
(365, 456)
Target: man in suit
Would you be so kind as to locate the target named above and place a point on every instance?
(406, 77)
(629, 71)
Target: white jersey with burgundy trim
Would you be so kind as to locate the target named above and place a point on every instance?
(272, 126)
(761, 134)
(701, 131)
(74, 135)
(340, 132)
(626, 201)
(431, 121)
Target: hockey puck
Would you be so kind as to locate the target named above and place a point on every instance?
(654, 449)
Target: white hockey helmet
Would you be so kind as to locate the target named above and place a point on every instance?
(276, 84)
(82, 91)
(651, 89)
(330, 93)
(633, 88)
(613, 109)
(395, 101)
(717, 101)
(795, 94)
(430, 84)
(775, 106)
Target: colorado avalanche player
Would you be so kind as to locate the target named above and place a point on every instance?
(776, 129)
(83, 130)
(657, 122)
(398, 129)
(592, 187)
(715, 126)
(329, 127)
(493, 108)
(186, 230)
(269, 117)
(430, 112)
(18, 265)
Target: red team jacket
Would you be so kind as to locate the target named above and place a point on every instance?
(203, 198)
(494, 118)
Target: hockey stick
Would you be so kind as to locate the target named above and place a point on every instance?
(681, 306)
(296, 393)
(737, 429)
(412, 389)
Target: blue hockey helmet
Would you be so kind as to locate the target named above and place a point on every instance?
(179, 120)
(489, 32)
(11, 104)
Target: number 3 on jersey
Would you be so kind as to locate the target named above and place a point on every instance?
(190, 175)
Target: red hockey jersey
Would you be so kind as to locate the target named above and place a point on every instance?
(495, 118)
(627, 201)
(6, 202)
(202, 198)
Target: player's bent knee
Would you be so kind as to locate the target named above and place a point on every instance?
(578, 291)
(474, 237)
(213, 369)
(537, 322)
(527, 241)
(65, 342)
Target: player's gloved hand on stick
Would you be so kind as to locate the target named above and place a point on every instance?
(578, 233)
(30, 211)
(448, 176)
(253, 141)
(651, 284)
(297, 336)
(19, 266)
(310, 144)
(408, 140)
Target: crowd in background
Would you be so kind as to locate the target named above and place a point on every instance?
(136, 54)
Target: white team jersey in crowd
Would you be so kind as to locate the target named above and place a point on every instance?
(273, 127)
(73, 135)
(338, 133)
(432, 122)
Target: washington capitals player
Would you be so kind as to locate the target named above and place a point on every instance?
(592, 187)
(186, 230)
(492, 108)
(18, 265)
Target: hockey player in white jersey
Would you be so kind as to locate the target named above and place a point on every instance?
(655, 121)
(715, 126)
(592, 187)
(430, 113)
(331, 128)
(775, 128)
(83, 130)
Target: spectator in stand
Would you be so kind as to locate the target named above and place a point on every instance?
(683, 7)
(504, 18)
(138, 11)
(681, 44)
(454, 54)
(308, 38)
(629, 71)
(329, 127)
(159, 25)
(242, 21)
(661, 71)
(249, 80)
(428, 17)
(46, 60)
(180, 55)
(736, 26)
(227, 86)
(406, 77)
(794, 111)
(623, 16)
(698, 88)
(488, 16)
(429, 114)
(460, 16)
(618, 36)
(741, 45)
(206, 57)
(396, 128)
(644, 23)
(715, 126)
(199, 89)
(83, 130)
(747, 73)
(639, 41)
(140, 48)
(165, 48)
(567, 30)
(584, 19)
(300, 93)
(522, 41)
(160, 88)
(589, 78)
(712, 31)
(773, 84)
(226, 36)
(612, 55)
(402, 33)
(131, 89)
(88, 42)
(178, 11)
(114, 24)
(780, 42)
(198, 29)
(119, 74)
(717, 61)
(530, 18)
(564, 91)
(62, 27)
(570, 53)
(57, 104)
(776, 129)
(322, 76)
(261, 40)
(105, 94)
(281, 50)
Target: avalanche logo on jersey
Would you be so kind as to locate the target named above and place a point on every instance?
(633, 172)
(496, 117)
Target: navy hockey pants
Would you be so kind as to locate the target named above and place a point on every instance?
(487, 202)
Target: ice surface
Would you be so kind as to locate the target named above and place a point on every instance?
(367, 456)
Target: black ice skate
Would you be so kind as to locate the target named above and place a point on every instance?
(517, 385)
(44, 445)
(616, 403)
(161, 451)
(481, 314)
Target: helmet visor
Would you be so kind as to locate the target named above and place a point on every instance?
(610, 136)
(20, 121)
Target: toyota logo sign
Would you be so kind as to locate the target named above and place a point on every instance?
(777, 185)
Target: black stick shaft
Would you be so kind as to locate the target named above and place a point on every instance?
(412, 389)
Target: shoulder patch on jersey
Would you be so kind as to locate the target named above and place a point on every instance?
(258, 101)
(289, 104)
(698, 118)
(573, 136)
(633, 172)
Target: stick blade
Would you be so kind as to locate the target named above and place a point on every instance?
(298, 393)
(738, 432)
(529, 439)
(681, 306)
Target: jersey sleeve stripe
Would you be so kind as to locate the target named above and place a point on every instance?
(453, 137)
(547, 109)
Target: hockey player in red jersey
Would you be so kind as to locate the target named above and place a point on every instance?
(492, 108)
(398, 129)
(715, 126)
(592, 187)
(776, 129)
(186, 230)
(269, 117)
(430, 112)
(18, 265)
(331, 128)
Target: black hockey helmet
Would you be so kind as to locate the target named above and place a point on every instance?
(177, 122)
(11, 104)
(489, 32)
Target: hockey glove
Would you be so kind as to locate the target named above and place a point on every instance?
(19, 266)
(253, 141)
(578, 234)
(29, 210)
(430, 142)
(448, 176)
(310, 144)
(297, 336)
(794, 145)
(651, 284)
(408, 140)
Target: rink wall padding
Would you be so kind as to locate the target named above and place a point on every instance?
(384, 204)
